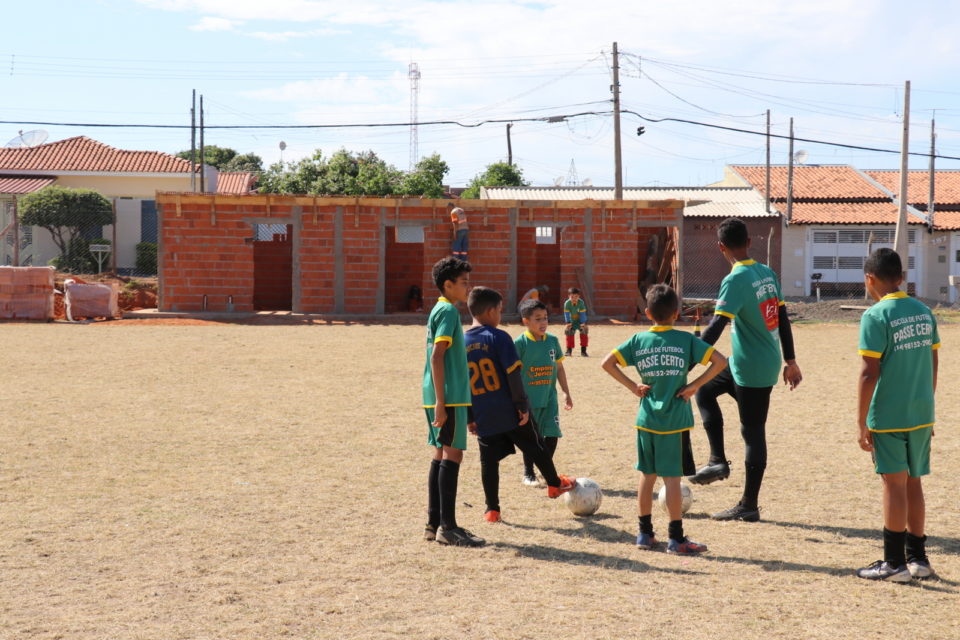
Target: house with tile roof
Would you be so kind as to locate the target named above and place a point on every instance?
(128, 178)
(839, 213)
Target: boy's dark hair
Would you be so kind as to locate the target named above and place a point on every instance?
(449, 269)
(527, 307)
(662, 301)
(482, 299)
(573, 290)
(732, 233)
(884, 264)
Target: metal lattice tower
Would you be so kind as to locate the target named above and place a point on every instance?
(414, 75)
(573, 180)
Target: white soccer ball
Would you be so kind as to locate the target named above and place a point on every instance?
(686, 497)
(585, 498)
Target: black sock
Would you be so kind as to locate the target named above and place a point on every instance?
(449, 473)
(714, 432)
(751, 487)
(894, 543)
(528, 466)
(646, 524)
(916, 548)
(675, 530)
(490, 477)
(686, 454)
(433, 494)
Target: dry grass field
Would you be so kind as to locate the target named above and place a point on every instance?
(228, 481)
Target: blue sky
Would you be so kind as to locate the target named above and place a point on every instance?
(836, 66)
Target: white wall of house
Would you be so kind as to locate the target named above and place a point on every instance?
(953, 259)
(793, 268)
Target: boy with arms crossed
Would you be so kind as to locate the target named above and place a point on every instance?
(542, 369)
(446, 400)
(501, 412)
(575, 317)
(898, 343)
(662, 356)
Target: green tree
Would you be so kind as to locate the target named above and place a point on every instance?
(226, 159)
(66, 213)
(426, 179)
(498, 174)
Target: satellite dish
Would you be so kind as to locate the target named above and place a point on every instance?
(283, 145)
(801, 156)
(28, 139)
(558, 182)
(587, 182)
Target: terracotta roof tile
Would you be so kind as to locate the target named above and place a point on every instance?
(236, 181)
(811, 182)
(946, 220)
(847, 213)
(18, 185)
(85, 155)
(946, 183)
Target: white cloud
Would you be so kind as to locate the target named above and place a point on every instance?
(283, 36)
(208, 23)
(340, 89)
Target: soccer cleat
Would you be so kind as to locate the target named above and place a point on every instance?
(646, 541)
(430, 533)
(531, 481)
(583, 352)
(919, 569)
(711, 473)
(458, 537)
(686, 548)
(566, 484)
(492, 515)
(568, 353)
(738, 512)
(881, 570)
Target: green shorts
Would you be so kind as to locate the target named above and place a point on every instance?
(659, 453)
(896, 451)
(453, 433)
(548, 421)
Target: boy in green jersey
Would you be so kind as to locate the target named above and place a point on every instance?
(898, 344)
(446, 401)
(542, 369)
(575, 317)
(663, 356)
(750, 298)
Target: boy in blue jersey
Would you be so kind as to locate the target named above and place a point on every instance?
(898, 379)
(446, 402)
(501, 411)
(663, 356)
(750, 297)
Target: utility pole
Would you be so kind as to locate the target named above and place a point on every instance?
(203, 153)
(193, 142)
(931, 199)
(790, 176)
(767, 188)
(413, 73)
(901, 243)
(617, 159)
(509, 146)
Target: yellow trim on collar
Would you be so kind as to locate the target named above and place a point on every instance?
(533, 337)
(896, 295)
(743, 263)
(870, 354)
(661, 327)
(443, 299)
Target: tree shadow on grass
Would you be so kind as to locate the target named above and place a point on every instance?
(582, 558)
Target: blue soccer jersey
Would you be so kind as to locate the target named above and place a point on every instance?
(491, 355)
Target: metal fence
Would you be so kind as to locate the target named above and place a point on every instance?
(703, 267)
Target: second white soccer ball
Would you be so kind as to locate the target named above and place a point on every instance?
(585, 498)
(686, 497)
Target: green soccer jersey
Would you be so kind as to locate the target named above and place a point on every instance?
(750, 296)
(902, 333)
(662, 357)
(443, 325)
(574, 310)
(540, 358)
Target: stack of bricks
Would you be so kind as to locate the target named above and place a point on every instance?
(26, 293)
(344, 262)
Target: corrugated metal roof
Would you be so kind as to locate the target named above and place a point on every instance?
(18, 185)
(719, 202)
(82, 154)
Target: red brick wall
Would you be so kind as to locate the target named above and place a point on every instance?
(207, 249)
